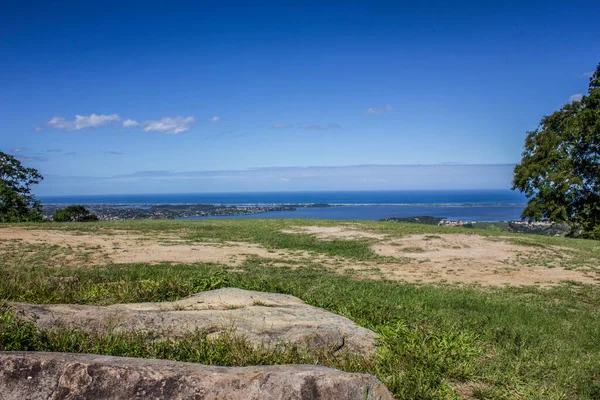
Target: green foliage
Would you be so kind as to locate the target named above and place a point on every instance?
(16, 201)
(560, 167)
(108, 285)
(74, 213)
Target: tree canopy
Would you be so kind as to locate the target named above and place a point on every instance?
(74, 213)
(16, 201)
(560, 167)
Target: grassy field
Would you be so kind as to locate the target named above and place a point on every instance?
(438, 340)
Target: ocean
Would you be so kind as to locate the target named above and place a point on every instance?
(466, 205)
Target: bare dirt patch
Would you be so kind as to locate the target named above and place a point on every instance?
(454, 258)
(334, 232)
(451, 258)
(467, 390)
(130, 248)
(477, 259)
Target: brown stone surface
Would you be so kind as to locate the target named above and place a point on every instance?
(58, 376)
(262, 318)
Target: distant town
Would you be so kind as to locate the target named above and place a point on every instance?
(447, 222)
(540, 227)
(116, 212)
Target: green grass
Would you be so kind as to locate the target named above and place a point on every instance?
(267, 232)
(520, 343)
(508, 343)
(262, 229)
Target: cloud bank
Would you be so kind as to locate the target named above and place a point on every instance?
(166, 125)
(353, 177)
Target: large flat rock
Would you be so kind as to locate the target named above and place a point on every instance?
(265, 319)
(57, 376)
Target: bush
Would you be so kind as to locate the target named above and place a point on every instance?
(74, 214)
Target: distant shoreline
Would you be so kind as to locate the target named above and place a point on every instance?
(296, 204)
(348, 211)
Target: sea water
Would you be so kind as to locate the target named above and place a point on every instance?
(466, 205)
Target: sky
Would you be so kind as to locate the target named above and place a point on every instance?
(182, 97)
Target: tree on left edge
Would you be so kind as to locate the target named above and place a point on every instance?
(17, 204)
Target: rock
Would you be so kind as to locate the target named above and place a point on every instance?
(265, 319)
(56, 376)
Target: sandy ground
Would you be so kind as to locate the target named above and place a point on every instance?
(130, 248)
(467, 258)
(453, 258)
(334, 232)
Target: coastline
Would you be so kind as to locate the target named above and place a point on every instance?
(372, 212)
(313, 205)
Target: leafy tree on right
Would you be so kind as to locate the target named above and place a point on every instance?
(560, 166)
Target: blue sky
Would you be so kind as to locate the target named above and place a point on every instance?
(132, 97)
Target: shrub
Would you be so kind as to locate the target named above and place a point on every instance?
(75, 213)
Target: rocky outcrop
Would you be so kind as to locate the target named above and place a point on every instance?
(262, 318)
(56, 376)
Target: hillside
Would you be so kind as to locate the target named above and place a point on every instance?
(461, 313)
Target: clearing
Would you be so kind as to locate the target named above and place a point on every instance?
(452, 257)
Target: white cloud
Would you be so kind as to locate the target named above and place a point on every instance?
(60, 123)
(128, 123)
(94, 121)
(342, 178)
(373, 111)
(281, 126)
(216, 118)
(19, 149)
(169, 125)
(575, 98)
(82, 121)
(587, 74)
(38, 129)
(377, 111)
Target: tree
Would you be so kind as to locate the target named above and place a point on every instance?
(16, 201)
(74, 214)
(560, 167)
